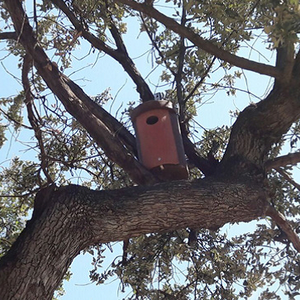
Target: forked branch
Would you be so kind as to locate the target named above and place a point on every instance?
(120, 54)
(285, 226)
(203, 44)
(104, 130)
(282, 161)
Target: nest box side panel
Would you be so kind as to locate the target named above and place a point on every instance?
(156, 138)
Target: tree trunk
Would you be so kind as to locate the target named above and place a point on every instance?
(68, 219)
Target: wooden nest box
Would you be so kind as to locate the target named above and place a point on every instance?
(159, 141)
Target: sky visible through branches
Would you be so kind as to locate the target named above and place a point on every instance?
(214, 111)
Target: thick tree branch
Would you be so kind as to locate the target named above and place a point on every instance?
(79, 217)
(261, 125)
(285, 60)
(104, 130)
(203, 44)
(282, 161)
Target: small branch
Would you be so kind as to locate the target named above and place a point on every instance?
(281, 161)
(285, 226)
(179, 73)
(7, 116)
(154, 44)
(119, 54)
(27, 64)
(8, 36)
(288, 178)
(203, 44)
(197, 85)
(114, 215)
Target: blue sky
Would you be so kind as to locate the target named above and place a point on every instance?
(107, 73)
(210, 115)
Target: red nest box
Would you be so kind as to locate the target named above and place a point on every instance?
(159, 140)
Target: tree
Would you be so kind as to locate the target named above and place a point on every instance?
(237, 174)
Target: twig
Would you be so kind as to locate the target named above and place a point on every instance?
(13, 120)
(203, 44)
(34, 122)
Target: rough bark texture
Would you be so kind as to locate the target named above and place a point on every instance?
(68, 219)
(202, 43)
(260, 126)
(100, 125)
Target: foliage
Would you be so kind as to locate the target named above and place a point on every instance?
(220, 264)
(19, 183)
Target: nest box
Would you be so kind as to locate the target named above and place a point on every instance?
(159, 140)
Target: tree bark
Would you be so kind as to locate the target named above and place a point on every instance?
(98, 123)
(68, 219)
(203, 44)
(120, 54)
(262, 125)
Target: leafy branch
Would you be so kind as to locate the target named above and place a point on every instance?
(99, 124)
(120, 54)
(33, 120)
(203, 44)
(285, 226)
